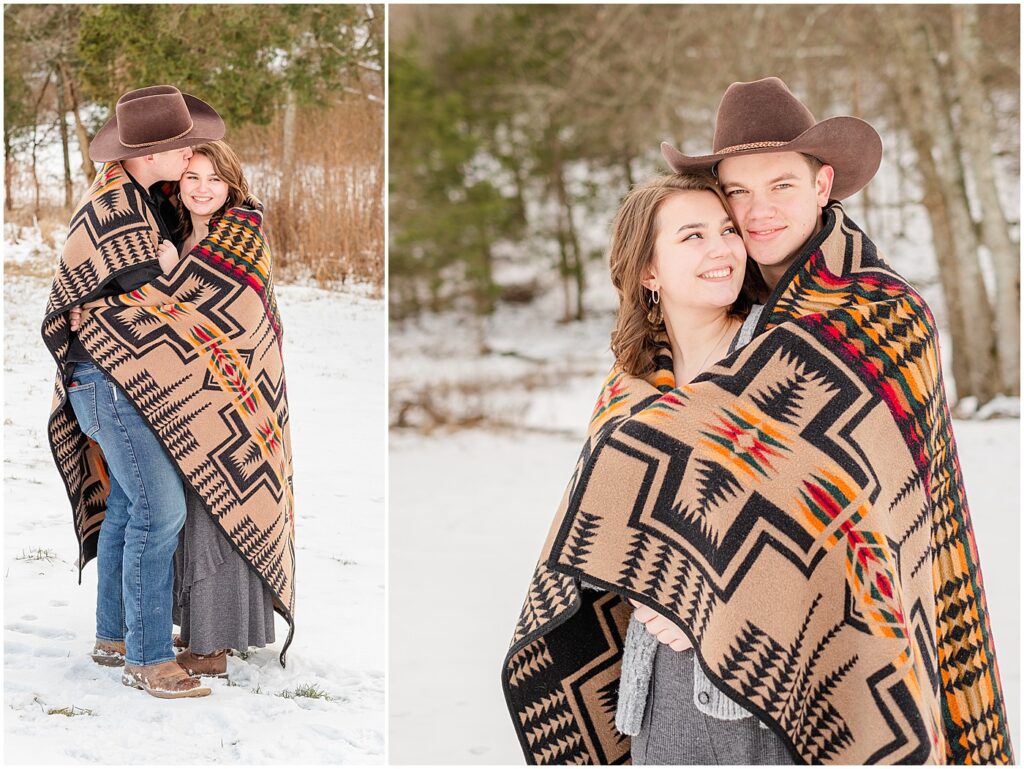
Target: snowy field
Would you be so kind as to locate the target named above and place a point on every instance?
(469, 510)
(61, 708)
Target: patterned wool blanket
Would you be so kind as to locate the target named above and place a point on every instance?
(198, 353)
(799, 512)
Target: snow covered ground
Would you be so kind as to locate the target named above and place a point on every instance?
(469, 510)
(61, 708)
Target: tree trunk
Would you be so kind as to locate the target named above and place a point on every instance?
(35, 174)
(902, 193)
(8, 172)
(568, 240)
(942, 239)
(751, 63)
(917, 98)
(88, 167)
(627, 168)
(931, 134)
(578, 265)
(519, 177)
(63, 124)
(865, 193)
(484, 291)
(35, 143)
(564, 272)
(564, 256)
(289, 131)
(948, 268)
(995, 233)
(289, 201)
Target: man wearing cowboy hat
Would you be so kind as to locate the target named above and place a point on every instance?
(782, 173)
(119, 241)
(779, 168)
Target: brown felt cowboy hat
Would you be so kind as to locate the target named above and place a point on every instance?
(765, 116)
(155, 119)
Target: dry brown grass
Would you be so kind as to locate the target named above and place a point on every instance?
(50, 218)
(20, 224)
(496, 403)
(325, 213)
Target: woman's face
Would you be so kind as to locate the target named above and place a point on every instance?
(699, 259)
(202, 191)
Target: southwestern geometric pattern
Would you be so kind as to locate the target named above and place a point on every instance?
(198, 353)
(798, 511)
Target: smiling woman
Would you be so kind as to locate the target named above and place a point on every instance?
(675, 241)
(697, 272)
(220, 601)
(212, 183)
(202, 186)
(669, 234)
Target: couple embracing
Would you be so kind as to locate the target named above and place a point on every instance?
(764, 554)
(169, 422)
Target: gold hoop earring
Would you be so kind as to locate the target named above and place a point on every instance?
(654, 316)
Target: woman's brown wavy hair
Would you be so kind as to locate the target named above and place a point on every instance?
(632, 252)
(229, 168)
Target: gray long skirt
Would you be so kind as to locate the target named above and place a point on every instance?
(219, 601)
(674, 731)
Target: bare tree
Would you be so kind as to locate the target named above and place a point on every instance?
(621, 79)
(927, 115)
(88, 168)
(976, 138)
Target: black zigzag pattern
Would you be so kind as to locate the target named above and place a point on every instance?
(701, 607)
(529, 661)
(715, 484)
(210, 483)
(659, 570)
(71, 284)
(781, 400)
(261, 548)
(583, 533)
(634, 557)
(683, 571)
(172, 415)
(608, 702)
(551, 729)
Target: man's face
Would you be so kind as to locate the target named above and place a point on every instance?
(169, 166)
(776, 200)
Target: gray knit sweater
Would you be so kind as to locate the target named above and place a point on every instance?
(638, 654)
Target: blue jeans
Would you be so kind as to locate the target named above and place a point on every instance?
(145, 512)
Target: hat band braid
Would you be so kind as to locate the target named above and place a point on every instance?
(160, 141)
(751, 146)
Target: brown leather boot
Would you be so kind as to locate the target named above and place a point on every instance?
(215, 665)
(165, 680)
(108, 653)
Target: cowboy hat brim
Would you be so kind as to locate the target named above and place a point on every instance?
(207, 125)
(848, 144)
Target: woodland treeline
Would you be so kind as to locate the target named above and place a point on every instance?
(514, 128)
(300, 87)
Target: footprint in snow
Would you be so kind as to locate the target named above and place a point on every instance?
(41, 631)
(11, 648)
